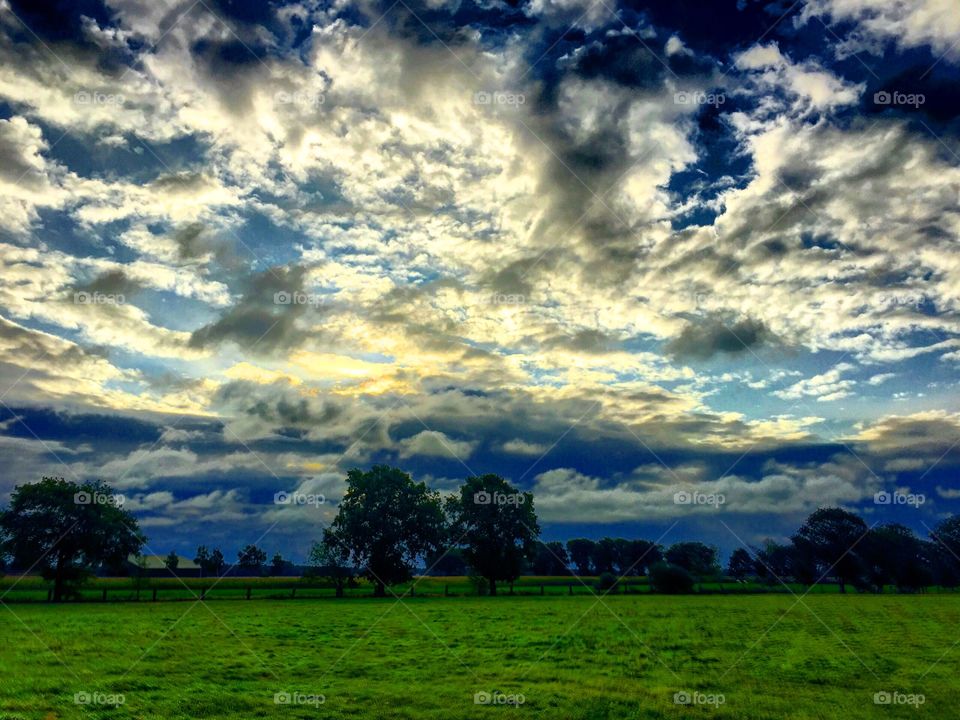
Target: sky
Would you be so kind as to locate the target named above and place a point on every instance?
(685, 270)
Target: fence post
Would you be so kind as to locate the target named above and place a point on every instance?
(446, 591)
(49, 595)
(293, 592)
(154, 594)
(413, 591)
(248, 593)
(104, 595)
(203, 593)
(570, 588)
(541, 590)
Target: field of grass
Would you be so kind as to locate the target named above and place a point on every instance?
(764, 656)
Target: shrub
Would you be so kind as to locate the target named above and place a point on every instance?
(607, 582)
(670, 579)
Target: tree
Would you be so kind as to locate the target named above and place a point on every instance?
(605, 556)
(741, 565)
(171, 561)
(328, 560)
(497, 525)
(216, 563)
(277, 565)
(946, 550)
(695, 557)
(551, 559)
(66, 529)
(581, 554)
(670, 579)
(447, 562)
(385, 522)
(893, 554)
(639, 556)
(202, 559)
(252, 558)
(774, 562)
(831, 536)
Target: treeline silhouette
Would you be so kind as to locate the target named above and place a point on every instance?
(389, 528)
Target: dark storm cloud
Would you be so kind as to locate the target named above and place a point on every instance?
(265, 318)
(703, 339)
(100, 429)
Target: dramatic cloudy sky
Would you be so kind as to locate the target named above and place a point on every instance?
(612, 251)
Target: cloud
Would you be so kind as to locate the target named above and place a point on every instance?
(434, 443)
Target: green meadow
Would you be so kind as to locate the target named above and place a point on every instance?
(636, 656)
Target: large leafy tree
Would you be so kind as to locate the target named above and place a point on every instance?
(694, 557)
(66, 530)
(386, 522)
(252, 559)
(551, 559)
(831, 536)
(497, 526)
(582, 553)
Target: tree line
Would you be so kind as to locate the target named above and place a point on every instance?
(388, 527)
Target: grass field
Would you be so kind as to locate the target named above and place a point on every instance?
(768, 656)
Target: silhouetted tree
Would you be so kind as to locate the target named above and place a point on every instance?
(605, 555)
(66, 529)
(252, 558)
(385, 522)
(581, 554)
(278, 565)
(497, 525)
(670, 579)
(893, 555)
(695, 557)
(831, 535)
(741, 565)
(171, 561)
(551, 559)
(328, 560)
(946, 551)
(638, 556)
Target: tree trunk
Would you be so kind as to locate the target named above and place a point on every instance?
(843, 585)
(58, 580)
(340, 589)
(379, 590)
(493, 586)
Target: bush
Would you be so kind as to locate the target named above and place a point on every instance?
(607, 582)
(670, 579)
